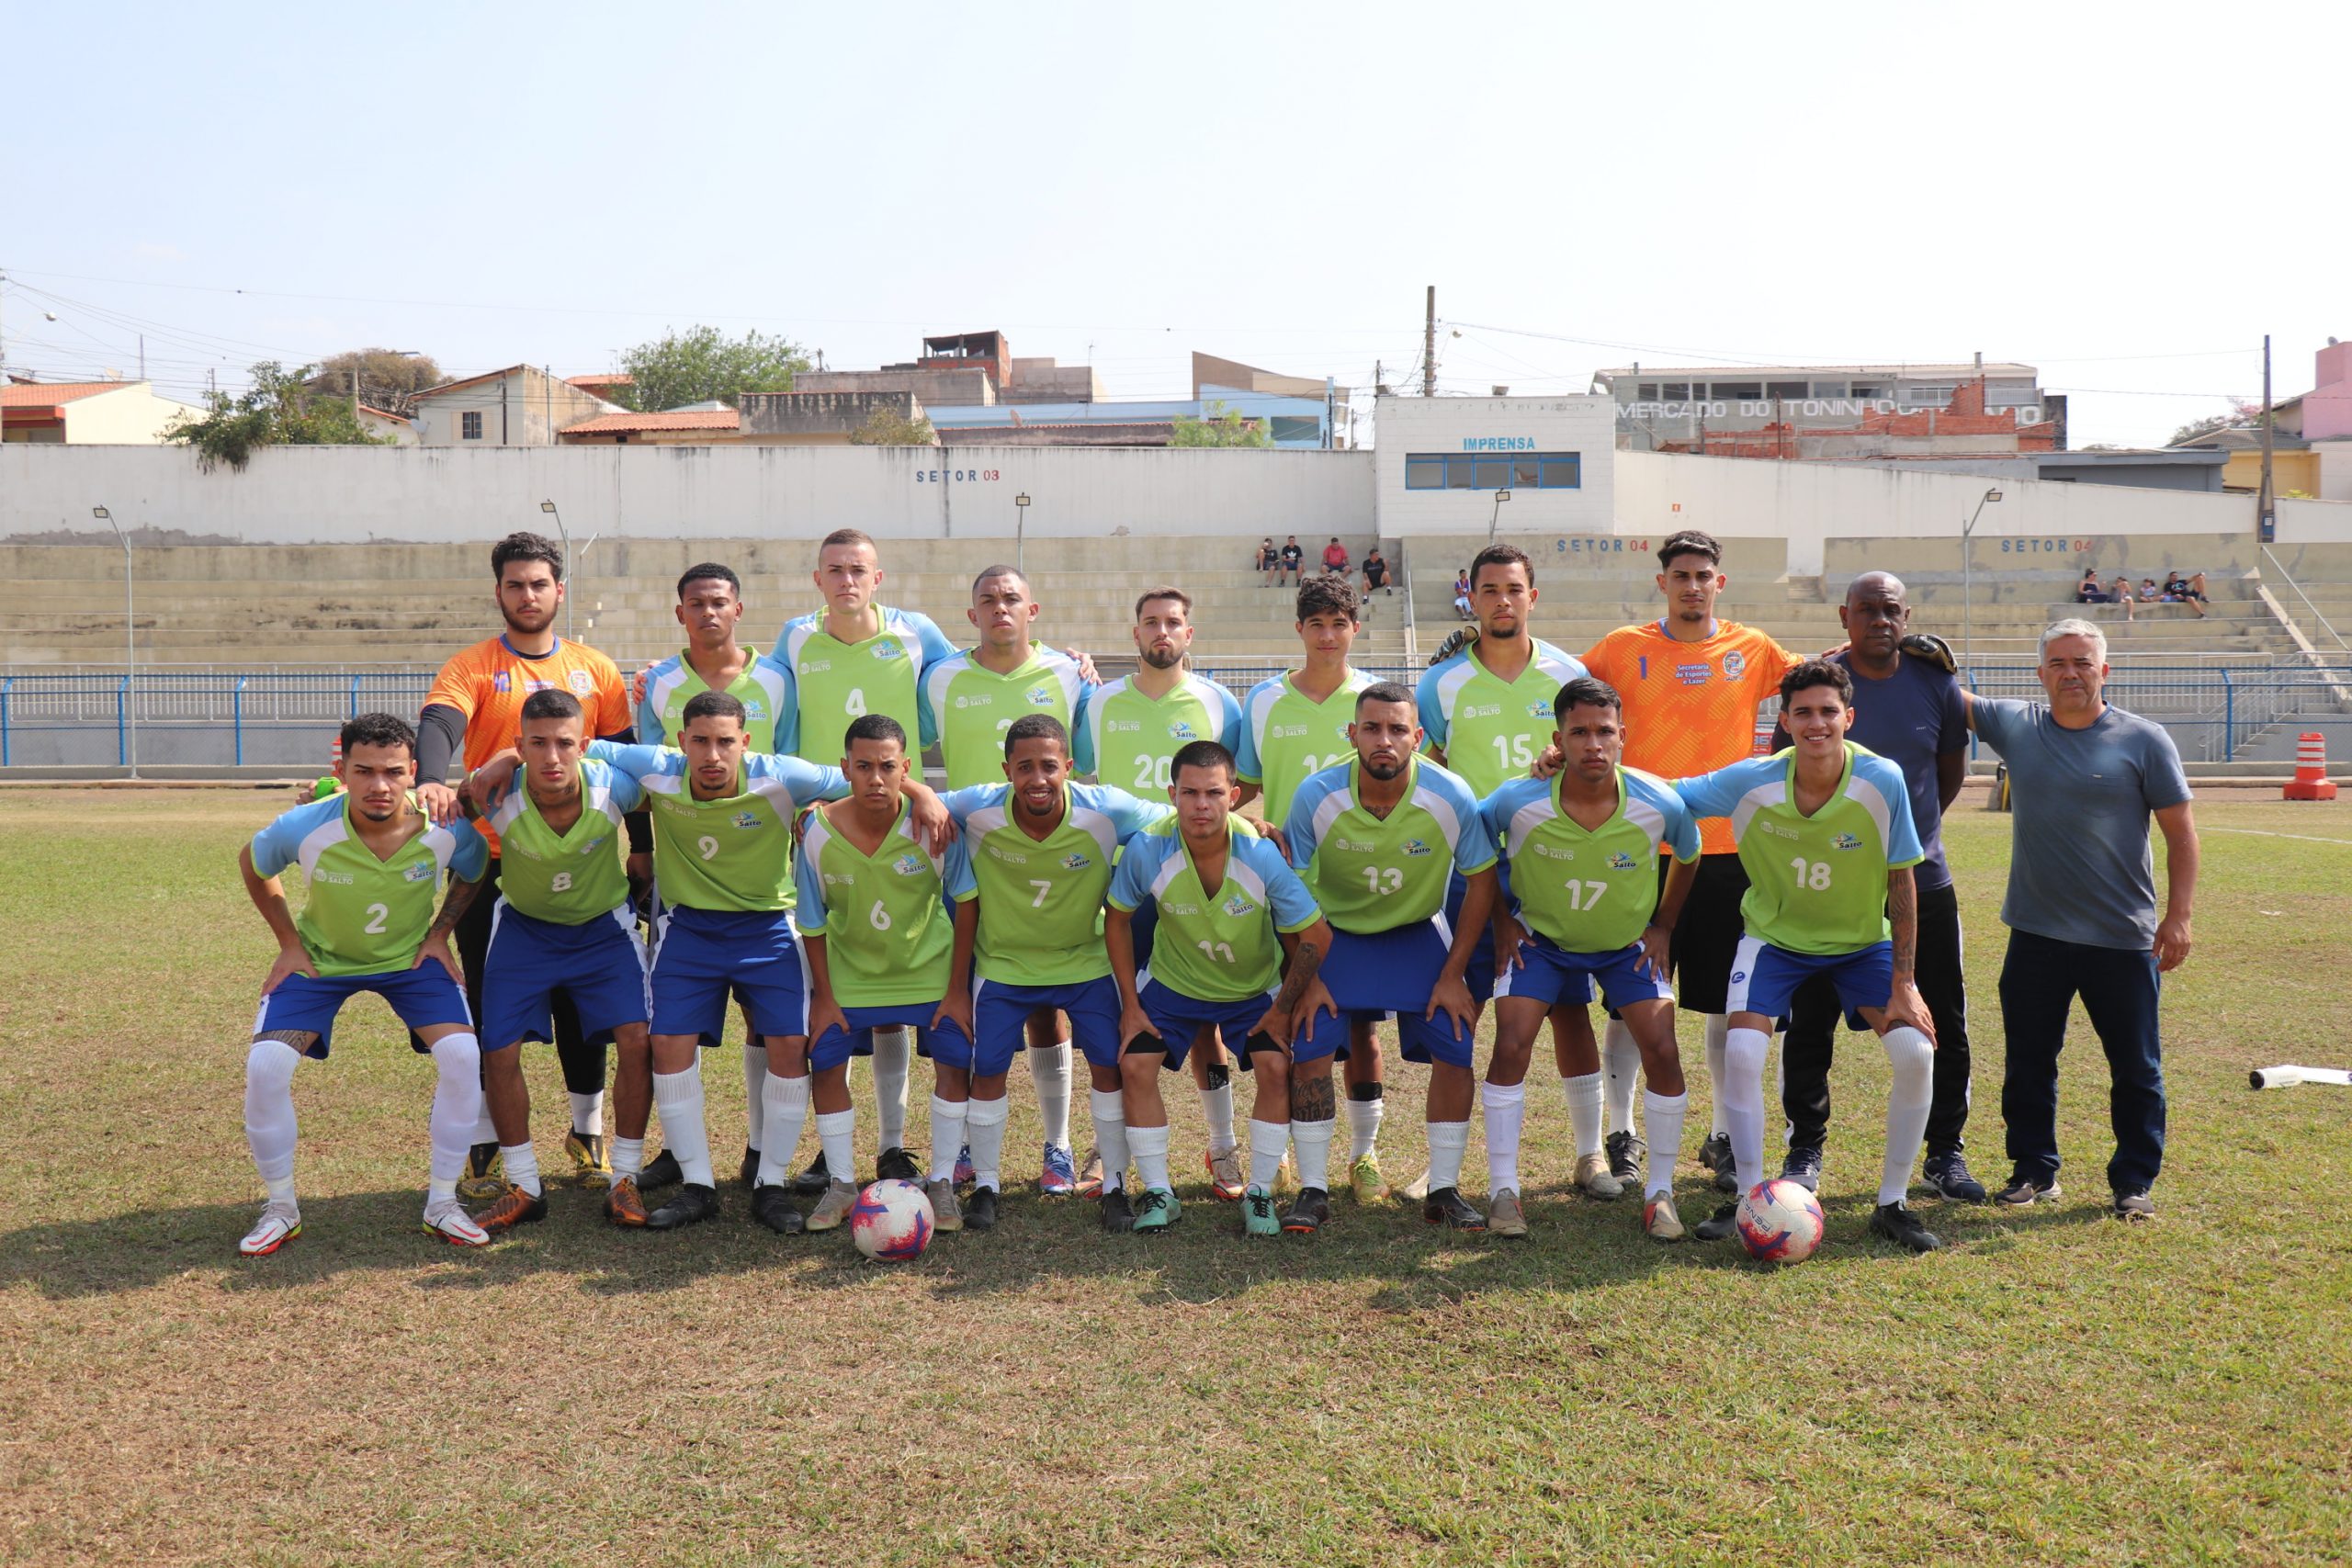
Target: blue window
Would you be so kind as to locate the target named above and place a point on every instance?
(1527, 470)
(1424, 473)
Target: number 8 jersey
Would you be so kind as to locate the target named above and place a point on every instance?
(1817, 884)
(1372, 874)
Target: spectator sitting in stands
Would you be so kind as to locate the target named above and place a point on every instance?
(1376, 574)
(1268, 559)
(2188, 591)
(1462, 595)
(1290, 559)
(2089, 591)
(1335, 558)
(2120, 591)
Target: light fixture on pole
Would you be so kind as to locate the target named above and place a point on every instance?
(1020, 529)
(129, 646)
(549, 507)
(1496, 516)
(1968, 582)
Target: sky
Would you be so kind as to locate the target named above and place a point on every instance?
(2126, 195)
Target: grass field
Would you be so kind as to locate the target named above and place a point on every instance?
(2054, 1388)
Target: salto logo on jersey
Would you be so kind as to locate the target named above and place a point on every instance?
(816, 666)
(1475, 711)
(1290, 731)
(1180, 730)
(1844, 842)
(1239, 905)
(1415, 847)
(1075, 862)
(341, 878)
(421, 872)
(908, 865)
(746, 820)
(1040, 697)
(591, 846)
(1539, 710)
(1621, 861)
(889, 650)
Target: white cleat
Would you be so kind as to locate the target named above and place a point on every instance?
(454, 1225)
(279, 1224)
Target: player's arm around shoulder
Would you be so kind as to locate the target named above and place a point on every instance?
(639, 761)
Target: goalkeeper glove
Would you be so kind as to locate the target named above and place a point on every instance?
(1933, 648)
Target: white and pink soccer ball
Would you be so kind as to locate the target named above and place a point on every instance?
(1780, 1222)
(892, 1221)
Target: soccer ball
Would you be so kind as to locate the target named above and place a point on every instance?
(892, 1221)
(1780, 1222)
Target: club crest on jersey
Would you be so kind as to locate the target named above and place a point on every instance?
(906, 865)
(1415, 847)
(887, 650)
(1539, 710)
(591, 846)
(746, 820)
(1075, 862)
(583, 682)
(1621, 861)
(1734, 662)
(1844, 842)
(1180, 730)
(1238, 905)
(1040, 697)
(421, 872)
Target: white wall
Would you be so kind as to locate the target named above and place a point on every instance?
(1457, 427)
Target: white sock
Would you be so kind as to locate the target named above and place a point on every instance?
(588, 1114)
(1620, 1062)
(1662, 1113)
(522, 1166)
(1110, 1109)
(1049, 1070)
(1216, 1109)
(1740, 1093)
(628, 1159)
(947, 1137)
(1449, 1141)
(1718, 1029)
(1268, 1140)
(836, 1135)
(269, 1115)
(1506, 1107)
(891, 1049)
(786, 1104)
(1584, 1111)
(984, 1129)
(1149, 1147)
(1313, 1141)
(457, 1106)
(755, 1082)
(678, 1097)
(1364, 1127)
(485, 1130)
(1912, 1056)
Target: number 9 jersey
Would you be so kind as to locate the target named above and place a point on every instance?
(1372, 874)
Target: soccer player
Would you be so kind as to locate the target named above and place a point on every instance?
(1229, 910)
(1825, 830)
(1037, 857)
(1293, 727)
(373, 862)
(1693, 686)
(1138, 724)
(1376, 840)
(969, 702)
(564, 922)
(473, 711)
(875, 926)
(1585, 901)
(1909, 709)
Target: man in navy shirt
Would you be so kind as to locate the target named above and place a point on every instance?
(1908, 709)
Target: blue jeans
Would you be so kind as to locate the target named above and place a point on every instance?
(2039, 979)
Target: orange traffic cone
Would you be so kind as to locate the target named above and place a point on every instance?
(2311, 781)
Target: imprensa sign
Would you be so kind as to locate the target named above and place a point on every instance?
(1499, 444)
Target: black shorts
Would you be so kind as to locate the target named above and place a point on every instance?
(1708, 933)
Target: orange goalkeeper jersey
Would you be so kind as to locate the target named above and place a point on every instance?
(487, 682)
(1691, 706)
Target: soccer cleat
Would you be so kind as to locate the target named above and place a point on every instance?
(1949, 1176)
(591, 1166)
(1089, 1173)
(1593, 1176)
(1715, 1155)
(946, 1214)
(454, 1225)
(485, 1176)
(2024, 1191)
(1257, 1213)
(2131, 1208)
(964, 1172)
(1505, 1217)
(895, 1165)
(693, 1204)
(1898, 1224)
(1156, 1212)
(1722, 1223)
(659, 1171)
(1802, 1167)
(1226, 1181)
(1446, 1206)
(1059, 1175)
(279, 1224)
(980, 1210)
(1287, 1177)
(748, 1173)
(515, 1207)
(812, 1182)
(1309, 1211)
(773, 1207)
(1627, 1154)
(624, 1205)
(1366, 1182)
(1118, 1215)
(835, 1207)
(1659, 1221)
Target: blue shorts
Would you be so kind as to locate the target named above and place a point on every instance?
(1764, 978)
(1000, 1021)
(1179, 1018)
(1392, 971)
(833, 1047)
(422, 996)
(1551, 974)
(599, 962)
(702, 956)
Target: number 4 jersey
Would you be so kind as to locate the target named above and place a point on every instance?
(1589, 890)
(1817, 884)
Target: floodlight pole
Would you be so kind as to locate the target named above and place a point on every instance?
(1495, 517)
(1020, 530)
(1968, 581)
(549, 507)
(129, 646)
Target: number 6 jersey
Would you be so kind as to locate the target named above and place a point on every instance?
(1372, 874)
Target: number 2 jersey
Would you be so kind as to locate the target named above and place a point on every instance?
(1133, 737)
(1589, 890)
(1373, 874)
(1491, 729)
(364, 916)
(734, 853)
(1818, 884)
(1041, 899)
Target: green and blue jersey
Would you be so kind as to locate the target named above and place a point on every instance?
(887, 928)
(764, 688)
(1491, 729)
(1374, 873)
(1041, 901)
(834, 683)
(731, 854)
(575, 876)
(1132, 738)
(1589, 890)
(967, 708)
(364, 916)
(1215, 944)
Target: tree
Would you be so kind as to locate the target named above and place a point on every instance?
(278, 409)
(889, 427)
(1221, 426)
(388, 380)
(702, 363)
(2240, 413)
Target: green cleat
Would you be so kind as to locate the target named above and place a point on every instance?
(1158, 1210)
(1257, 1217)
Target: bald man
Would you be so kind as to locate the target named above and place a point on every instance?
(1908, 709)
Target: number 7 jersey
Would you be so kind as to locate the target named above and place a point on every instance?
(1041, 899)
(1818, 884)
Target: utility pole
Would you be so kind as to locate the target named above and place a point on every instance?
(2267, 509)
(1429, 347)
(143, 356)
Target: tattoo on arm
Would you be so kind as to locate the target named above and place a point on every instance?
(1903, 915)
(1311, 1100)
(453, 909)
(1304, 961)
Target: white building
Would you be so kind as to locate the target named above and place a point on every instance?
(1441, 462)
(86, 413)
(519, 406)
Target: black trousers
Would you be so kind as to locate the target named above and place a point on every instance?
(1815, 1015)
(584, 1064)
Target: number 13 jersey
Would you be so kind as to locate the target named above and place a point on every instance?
(1373, 874)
